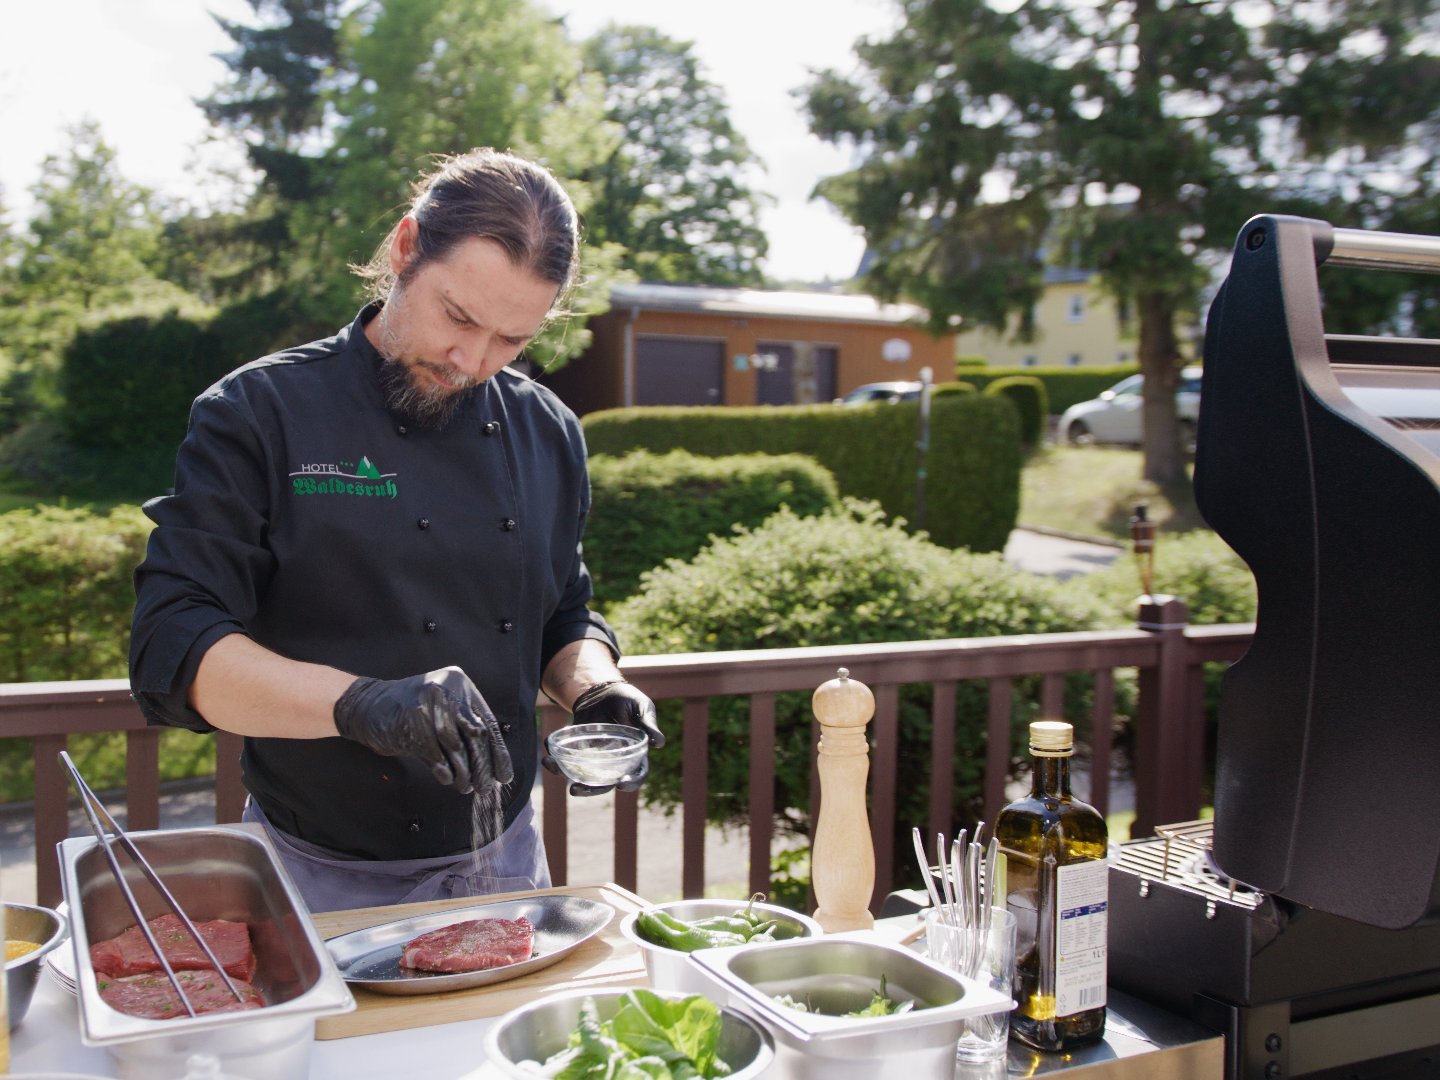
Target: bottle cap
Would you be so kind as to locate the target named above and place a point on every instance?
(1052, 738)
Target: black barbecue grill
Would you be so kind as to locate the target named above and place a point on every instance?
(1304, 921)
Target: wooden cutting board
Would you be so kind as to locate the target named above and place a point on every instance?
(605, 960)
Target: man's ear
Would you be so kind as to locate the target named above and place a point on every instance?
(405, 245)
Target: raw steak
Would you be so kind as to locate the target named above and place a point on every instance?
(151, 996)
(473, 945)
(130, 953)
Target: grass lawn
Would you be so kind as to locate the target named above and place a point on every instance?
(1093, 490)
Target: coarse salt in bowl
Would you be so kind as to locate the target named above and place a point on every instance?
(599, 755)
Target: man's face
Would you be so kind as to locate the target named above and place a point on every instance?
(453, 323)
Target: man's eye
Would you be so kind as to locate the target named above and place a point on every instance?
(458, 320)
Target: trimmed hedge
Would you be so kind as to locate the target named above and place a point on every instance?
(972, 483)
(1028, 396)
(128, 383)
(1063, 386)
(646, 508)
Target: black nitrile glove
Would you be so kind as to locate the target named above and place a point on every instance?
(438, 717)
(616, 702)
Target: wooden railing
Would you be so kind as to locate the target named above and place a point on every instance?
(1169, 743)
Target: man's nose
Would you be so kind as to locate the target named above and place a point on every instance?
(468, 355)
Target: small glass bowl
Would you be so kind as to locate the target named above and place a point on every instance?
(599, 755)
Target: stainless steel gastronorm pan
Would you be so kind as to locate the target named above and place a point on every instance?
(810, 1046)
(214, 873)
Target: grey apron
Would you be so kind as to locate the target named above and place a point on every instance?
(328, 882)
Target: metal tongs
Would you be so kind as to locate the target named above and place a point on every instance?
(95, 810)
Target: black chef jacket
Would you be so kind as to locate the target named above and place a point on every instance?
(309, 517)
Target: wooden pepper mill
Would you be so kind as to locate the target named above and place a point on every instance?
(842, 854)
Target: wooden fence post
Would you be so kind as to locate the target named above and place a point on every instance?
(1168, 740)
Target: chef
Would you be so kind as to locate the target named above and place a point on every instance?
(371, 562)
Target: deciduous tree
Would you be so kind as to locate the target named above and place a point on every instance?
(675, 191)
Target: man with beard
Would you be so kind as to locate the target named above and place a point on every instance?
(370, 563)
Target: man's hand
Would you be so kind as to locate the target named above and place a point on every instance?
(616, 702)
(438, 717)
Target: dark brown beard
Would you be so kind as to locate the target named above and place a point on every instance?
(429, 412)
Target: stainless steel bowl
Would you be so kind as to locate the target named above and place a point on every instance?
(224, 872)
(811, 1046)
(670, 969)
(41, 927)
(534, 1032)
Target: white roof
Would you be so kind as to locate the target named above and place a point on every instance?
(828, 306)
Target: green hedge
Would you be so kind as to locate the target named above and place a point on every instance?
(65, 575)
(972, 483)
(842, 578)
(128, 383)
(1063, 386)
(646, 508)
(1028, 396)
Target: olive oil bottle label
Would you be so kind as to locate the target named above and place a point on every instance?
(1082, 893)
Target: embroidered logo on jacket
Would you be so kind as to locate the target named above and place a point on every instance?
(344, 478)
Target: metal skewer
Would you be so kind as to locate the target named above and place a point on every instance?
(93, 804)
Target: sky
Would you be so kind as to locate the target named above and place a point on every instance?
(136, 66)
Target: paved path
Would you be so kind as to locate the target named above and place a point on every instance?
(591, 846)
(1058, 554)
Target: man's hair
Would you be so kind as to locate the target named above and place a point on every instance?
(497, 196)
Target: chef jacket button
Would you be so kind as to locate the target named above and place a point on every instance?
(492, 427)
(431, 626)
(506, 728)
(506, 626)
(424, 523)
(507, 524)
(401, 429)
(414, 826)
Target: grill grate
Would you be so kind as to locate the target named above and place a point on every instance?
(1179, 855)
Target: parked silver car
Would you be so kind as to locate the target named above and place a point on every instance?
(1115, 416)
(880, 391)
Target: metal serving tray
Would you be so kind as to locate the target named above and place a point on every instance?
(371, 957)
(214, 873)
(812, 1046)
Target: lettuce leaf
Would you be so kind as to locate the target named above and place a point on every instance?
(649, 1038)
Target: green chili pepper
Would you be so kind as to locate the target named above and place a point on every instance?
(730, 924)
(658, 928)
(749, 914)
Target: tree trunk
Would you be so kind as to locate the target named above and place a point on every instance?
(1160, 362)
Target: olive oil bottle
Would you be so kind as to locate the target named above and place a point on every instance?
(1057, 886)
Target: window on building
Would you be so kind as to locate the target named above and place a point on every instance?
(1030, 361)
(1077, 308)
(1122, 357)
(1074, 359)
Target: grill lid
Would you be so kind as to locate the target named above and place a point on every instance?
(1329, 740)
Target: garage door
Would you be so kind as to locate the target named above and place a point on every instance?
(678, 371)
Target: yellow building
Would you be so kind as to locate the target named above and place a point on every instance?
(1077, 324)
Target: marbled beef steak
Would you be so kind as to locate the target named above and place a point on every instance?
(152, 997)
(130, 954)
(473, 945)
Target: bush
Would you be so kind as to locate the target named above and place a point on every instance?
(66, 578)
(1198, 567)
(972, 483)
(646, 508)
(1063, 386)
(845, 577)
(1027, 394)
(128, 383)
